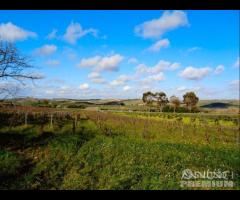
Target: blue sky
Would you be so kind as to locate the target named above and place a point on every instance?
(121, 54)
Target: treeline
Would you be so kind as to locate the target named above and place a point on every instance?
(53, 104)
(159, 102)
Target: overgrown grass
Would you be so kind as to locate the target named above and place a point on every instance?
(127, 163)
(114, 151)
(9, 163)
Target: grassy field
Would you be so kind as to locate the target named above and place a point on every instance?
(106, 103)
(81, 149)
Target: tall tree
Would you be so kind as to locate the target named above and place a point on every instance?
(161, 99)
(13, 67)
(148, 98)
(175, 102)
(190, 99)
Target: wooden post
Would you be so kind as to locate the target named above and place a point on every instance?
(26, 116)
(41, 128)
(76, 118)
(51, 120)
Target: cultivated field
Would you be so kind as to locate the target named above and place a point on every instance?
(57, 147)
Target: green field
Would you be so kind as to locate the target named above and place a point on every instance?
(81, 149)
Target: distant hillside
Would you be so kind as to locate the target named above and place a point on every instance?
(217, 105)
(64, 102)
(229, 102)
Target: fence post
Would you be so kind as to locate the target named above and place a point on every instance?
(41, 129)
(26, 117)
(74, 125)
(51, 120)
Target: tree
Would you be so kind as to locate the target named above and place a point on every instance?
(175, 102)
(13, 67)
(161, 99)
(148, 98)
(190, 99)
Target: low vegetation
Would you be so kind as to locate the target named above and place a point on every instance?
(105, 150)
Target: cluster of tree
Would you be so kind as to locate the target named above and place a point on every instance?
(160, 99)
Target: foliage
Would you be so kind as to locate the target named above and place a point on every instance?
(148, 98)
(161, 99)
(190, 99)
(115, 150)
(175, 102)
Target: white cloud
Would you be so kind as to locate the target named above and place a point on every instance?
(89, 62)
(219, 69)
(157, 27)
(185, 89)
(159, 44)
(49, 92)
(121, 80)
(237, 63)
(84, 86)
(75, 31)
(65, 87)
(126, 88)
(52, 35)
(181, 88)
(235, 87)
(132, 60)
(95, 77)
(174, 66)
(162, 65)
(45, 50)
(157, 77)
(12, 33)
(98, 80)
(141, 68)
(235, 83)
(192, 73)
(107, 63)
(10, 89)
(64, 90)
(53, 62)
